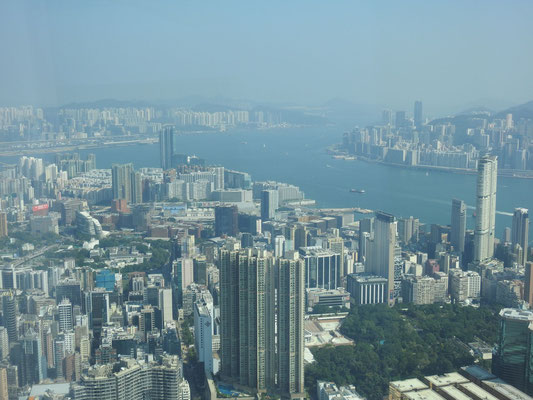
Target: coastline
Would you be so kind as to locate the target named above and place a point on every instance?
(507, 173)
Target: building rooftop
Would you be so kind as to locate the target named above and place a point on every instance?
(408, 385)
(426, 394)
(455, 393)
(446, 379)
(477, 391)
(514, 313)
(508, 391)
(478, 373)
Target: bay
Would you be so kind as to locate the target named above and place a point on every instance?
(298, 156)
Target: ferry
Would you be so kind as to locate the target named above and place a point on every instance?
(357, 191)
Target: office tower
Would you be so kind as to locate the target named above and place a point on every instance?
(68, 210)
(408, 229)
(336, 245)
(400, 119)
(69, 289)
(418, 114)
(32, 359)
(367, 289)
(300, 237)
(512, 361)
(97, 307)
(3, 224)
(65, 315)
(528, 284)
(165, 305)
(200, 270)
(147, 321)
(381, 254)
(226, 221)
(386, 117)
(279, 246)
(261, 306)
(151, 295)
(507, 235)
(269, 204)
(136, 188)
(520, 230)
(9, 316)
(485, 208)
(166, 147)
(291, 299)
(322, 267)
(458, 230)
(122, 179)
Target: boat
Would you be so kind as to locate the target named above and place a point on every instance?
(357, 191)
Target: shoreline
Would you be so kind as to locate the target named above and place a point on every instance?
(506, 173)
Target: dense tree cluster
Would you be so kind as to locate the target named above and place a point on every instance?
(399, 343)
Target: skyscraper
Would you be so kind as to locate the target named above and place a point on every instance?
(166, 147)
(64, 310)
(322, 267)
(261, 306)
(9, 314)
(32, 363)
(386, 117)
(136, 188)
(226, 221)
(381, 255)
(528, 284)
(519, 233)
(3, 224)
(400, 121)
(418, 114)
(485, 208)
(458, 230)
(512, 361)
(269, 204)
(126, 183)
(121, 181)
(291, 304)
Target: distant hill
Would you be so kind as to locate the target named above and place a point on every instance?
(467, 117)
(521, 111)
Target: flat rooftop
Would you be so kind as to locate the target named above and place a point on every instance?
(446, 379)
(507, 390)
(426, 394)
(455, 393)
(478, 372)
(513, 313)
(408, 385)
(471, 387)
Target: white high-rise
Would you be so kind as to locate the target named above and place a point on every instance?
(485, 208)
(65, 315)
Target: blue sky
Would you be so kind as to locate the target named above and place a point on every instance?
(449, 53)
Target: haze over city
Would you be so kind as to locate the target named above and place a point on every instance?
(453, 54)
(294, 200)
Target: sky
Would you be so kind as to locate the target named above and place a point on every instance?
(451, 54)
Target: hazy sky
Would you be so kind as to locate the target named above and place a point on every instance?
(447, 53)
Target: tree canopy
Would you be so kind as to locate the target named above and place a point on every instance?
(399, 343)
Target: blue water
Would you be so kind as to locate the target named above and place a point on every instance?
(298, 156)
